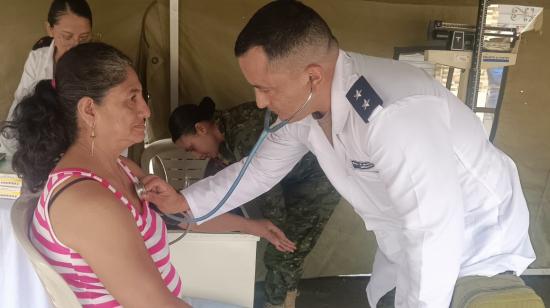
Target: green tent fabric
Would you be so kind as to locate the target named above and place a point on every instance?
(208, 30)
(207, 67)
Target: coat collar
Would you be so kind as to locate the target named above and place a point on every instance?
(49, 67)
(344, 76)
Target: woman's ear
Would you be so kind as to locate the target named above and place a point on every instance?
(49, 30)
(201, 129)
(86, 110)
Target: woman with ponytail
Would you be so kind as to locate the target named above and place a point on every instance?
(300, 204)
(89, 224)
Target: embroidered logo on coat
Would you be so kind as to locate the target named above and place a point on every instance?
(363, 165)
(363, 98)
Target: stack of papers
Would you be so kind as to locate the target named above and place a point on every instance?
(10, 186)
(10, 183)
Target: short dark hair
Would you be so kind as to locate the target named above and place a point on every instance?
(59, 8)
(45, 123)
(281, 26)
(183, 119)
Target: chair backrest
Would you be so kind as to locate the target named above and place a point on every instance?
(58, 290)
(175, 166)
(153, 149)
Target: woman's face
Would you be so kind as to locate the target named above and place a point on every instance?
(120, 118)
(69, 31)
(203, 144)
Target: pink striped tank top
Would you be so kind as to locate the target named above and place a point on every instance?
(72, 267)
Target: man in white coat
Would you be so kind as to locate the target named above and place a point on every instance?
(413, 160)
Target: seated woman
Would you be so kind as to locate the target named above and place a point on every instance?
(89, 224)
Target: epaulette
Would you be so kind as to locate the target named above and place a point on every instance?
(363, 98)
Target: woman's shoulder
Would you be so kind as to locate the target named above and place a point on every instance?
(243, 118)
(43, 42)
(245, 110)
(87, 207)
(88, 192)
(243, 125)
(40, 58)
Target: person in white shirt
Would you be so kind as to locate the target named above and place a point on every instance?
(410, 157)
(69, 24)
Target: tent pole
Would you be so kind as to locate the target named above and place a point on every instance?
(174, 53)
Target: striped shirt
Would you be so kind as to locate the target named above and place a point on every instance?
(73, 268)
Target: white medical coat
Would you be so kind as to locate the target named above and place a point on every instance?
(39, 65)
(442, 201)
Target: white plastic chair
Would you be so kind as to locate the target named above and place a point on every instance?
(178, 167)
(175, 166)
(58, 290)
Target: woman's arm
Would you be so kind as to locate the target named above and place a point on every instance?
(260, 227)
(92, 221)
(229, 222)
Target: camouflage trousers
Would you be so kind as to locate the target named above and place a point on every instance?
(300, 205)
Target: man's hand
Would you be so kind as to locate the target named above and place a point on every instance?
(266, 229)
(163, 195)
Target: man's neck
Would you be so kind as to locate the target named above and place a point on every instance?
(325, 122)
(326, 90)
(317, 115)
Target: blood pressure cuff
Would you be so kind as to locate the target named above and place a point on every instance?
(500, 291)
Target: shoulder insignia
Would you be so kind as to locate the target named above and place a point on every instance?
(363, 98)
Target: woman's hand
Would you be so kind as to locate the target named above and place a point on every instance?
(266, 229)
(163, 195)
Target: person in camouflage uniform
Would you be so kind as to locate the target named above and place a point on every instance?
(300, 204)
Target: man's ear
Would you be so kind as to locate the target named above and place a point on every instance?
(315, 73)
(86, 110)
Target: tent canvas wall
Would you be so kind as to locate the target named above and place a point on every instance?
(207, 67)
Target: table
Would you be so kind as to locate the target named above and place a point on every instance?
(19, 284)
(219, 267)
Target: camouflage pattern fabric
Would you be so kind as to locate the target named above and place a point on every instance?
(300, 204)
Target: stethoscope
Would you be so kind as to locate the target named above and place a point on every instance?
(188, 216)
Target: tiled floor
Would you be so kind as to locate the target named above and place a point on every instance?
(349, 292)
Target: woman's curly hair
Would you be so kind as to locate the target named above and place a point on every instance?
(44, 124)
